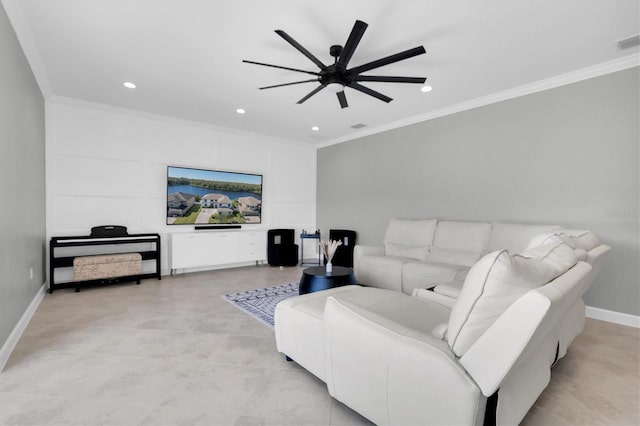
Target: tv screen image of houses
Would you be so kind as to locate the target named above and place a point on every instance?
(206, 197)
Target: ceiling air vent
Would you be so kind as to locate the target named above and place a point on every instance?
(629, 42)
(358, 126)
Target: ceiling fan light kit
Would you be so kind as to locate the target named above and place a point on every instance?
(336, 77)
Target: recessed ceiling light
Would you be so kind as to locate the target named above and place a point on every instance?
(426, 89)
(129, 85)
(315, 128)
(240, 111)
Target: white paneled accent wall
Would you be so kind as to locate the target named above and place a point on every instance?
(108, 166)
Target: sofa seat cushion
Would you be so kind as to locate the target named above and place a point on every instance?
(451, 288)
(299, 327)
(428, 274)
(381, 271)
(498, 280)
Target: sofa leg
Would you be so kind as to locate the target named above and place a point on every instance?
(490, 411)
(556, 359)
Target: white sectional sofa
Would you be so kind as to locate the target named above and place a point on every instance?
(481, 357)
(424, 253)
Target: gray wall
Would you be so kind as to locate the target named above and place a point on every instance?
(22, 180)
(566, 156)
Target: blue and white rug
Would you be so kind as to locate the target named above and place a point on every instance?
(261, 302)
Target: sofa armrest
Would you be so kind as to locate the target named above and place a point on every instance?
(392, 374)
(360, 251)
(596, 257)
(491, 357)
(523, 325)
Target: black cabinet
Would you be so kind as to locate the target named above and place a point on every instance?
(281, 249)
(344, 253)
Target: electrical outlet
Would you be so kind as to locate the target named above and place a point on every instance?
(30, 273)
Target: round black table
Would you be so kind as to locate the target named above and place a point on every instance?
(317, 278)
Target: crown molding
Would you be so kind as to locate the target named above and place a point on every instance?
(516, 92)
(31, 53)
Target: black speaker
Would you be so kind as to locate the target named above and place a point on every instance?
(344, 253)
(281, 249)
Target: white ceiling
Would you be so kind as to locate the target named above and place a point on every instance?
(186, 55)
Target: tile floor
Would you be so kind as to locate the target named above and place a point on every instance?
(172, 352)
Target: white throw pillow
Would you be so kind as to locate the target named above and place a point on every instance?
(416, 252)
(580, 238)
(495, 282)
(546, 238)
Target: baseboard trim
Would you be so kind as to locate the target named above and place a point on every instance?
(21, 326)
(613, 316)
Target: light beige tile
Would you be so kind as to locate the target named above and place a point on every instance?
(20, 409)
(341, 415)
(173, 352)
(292, 396)
(187, 415)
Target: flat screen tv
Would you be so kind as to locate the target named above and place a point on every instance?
(210, 197)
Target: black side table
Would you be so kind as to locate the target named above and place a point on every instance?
(317, 279)
(312, 237)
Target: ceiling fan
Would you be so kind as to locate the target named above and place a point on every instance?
(337, 76)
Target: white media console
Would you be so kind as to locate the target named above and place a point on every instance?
(200, 249)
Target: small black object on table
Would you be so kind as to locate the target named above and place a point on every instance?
(317, 279)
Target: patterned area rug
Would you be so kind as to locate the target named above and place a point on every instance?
(261, 302)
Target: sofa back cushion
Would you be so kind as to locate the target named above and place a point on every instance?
(515, 237)
(453, 256)
(467, 236)
(459, 243)
(409, 238)
(495, 282)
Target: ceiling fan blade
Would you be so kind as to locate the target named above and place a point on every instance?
(301, 49)
(280, 67)
(342, 99)
(388, 60)
(288, 84)
(389, 79)
(352, 42)
(310, 94)
(370, 92)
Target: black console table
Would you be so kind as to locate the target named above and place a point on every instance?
(65, 259)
